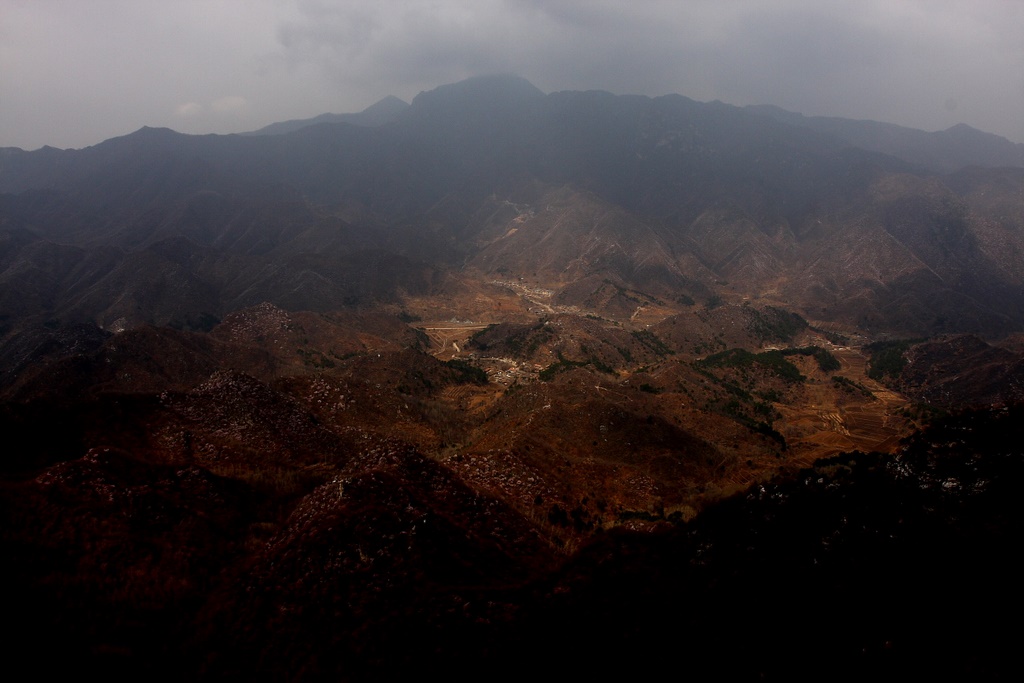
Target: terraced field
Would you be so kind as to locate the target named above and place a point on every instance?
(834, 419)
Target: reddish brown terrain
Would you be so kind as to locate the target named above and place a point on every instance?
(314, 490)
(506, 381)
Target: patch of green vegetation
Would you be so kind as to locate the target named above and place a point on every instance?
(833, 337)
(315, 359)
(775, 324)
(480, 333)
(847, 383)
(772, 433)
(649, 388)
(923, 412)
(523, 342)
(735, 389)
(543, 335)
(514, 344)
(652, 342)
(634, 295)
(563, 364)
(826, 361)
(407, 317)
(201, 322)
(621, 291)
(466, 373)
(734, 410)
(704, 347)
(422, 338)
(548, 373)
(419, 378)
(479, 338)
(739, 404)
(765, 409)
(685, 300)
(772, 361)
(887, 358)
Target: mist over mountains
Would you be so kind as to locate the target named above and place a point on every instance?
(810, 212)
(499, 378)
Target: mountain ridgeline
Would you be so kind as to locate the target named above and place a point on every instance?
(663, 194)
(501, 381)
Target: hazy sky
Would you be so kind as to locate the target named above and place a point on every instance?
(75, 72)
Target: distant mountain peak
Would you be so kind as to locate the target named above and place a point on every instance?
(155, 131)
(389, 102)
(961, 128)
(495, 88)
(380, 112)
(147, 135)
(377, 114)
(962, 131)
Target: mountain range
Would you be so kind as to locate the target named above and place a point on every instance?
(498, 378)
(713, 199)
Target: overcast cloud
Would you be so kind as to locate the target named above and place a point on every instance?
(73, 73)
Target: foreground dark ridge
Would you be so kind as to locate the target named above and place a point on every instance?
(864, 566)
